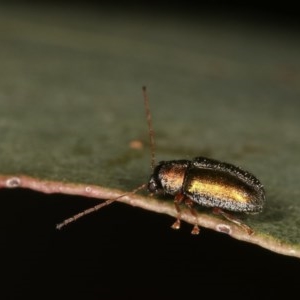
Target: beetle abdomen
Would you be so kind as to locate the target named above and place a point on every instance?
(215, 184)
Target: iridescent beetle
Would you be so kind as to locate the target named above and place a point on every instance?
(207, 182)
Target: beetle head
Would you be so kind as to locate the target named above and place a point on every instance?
(154, 184)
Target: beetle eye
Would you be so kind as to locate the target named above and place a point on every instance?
(152, 186)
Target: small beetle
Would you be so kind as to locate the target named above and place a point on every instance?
(209, 183)
(204, 181)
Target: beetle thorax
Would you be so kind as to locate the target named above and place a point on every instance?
(168, 177)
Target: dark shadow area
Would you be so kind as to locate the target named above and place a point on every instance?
(276, 14)
(122, 251)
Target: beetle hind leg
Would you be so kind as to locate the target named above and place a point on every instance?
(233, 219)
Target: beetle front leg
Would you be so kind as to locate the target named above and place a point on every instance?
(178, 199)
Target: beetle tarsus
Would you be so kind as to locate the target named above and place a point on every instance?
(176, 224)
(195, 230)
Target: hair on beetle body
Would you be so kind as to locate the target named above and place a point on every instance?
(202, 181)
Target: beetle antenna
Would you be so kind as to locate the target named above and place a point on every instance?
(109, 201)
(95, 208)
(150, 128)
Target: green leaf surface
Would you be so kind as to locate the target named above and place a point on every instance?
(71, 104)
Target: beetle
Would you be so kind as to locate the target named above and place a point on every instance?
(203, 181)
(210, 183)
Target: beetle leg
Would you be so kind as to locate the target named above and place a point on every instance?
(232, 219)
(178, 199)
(189, 203)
